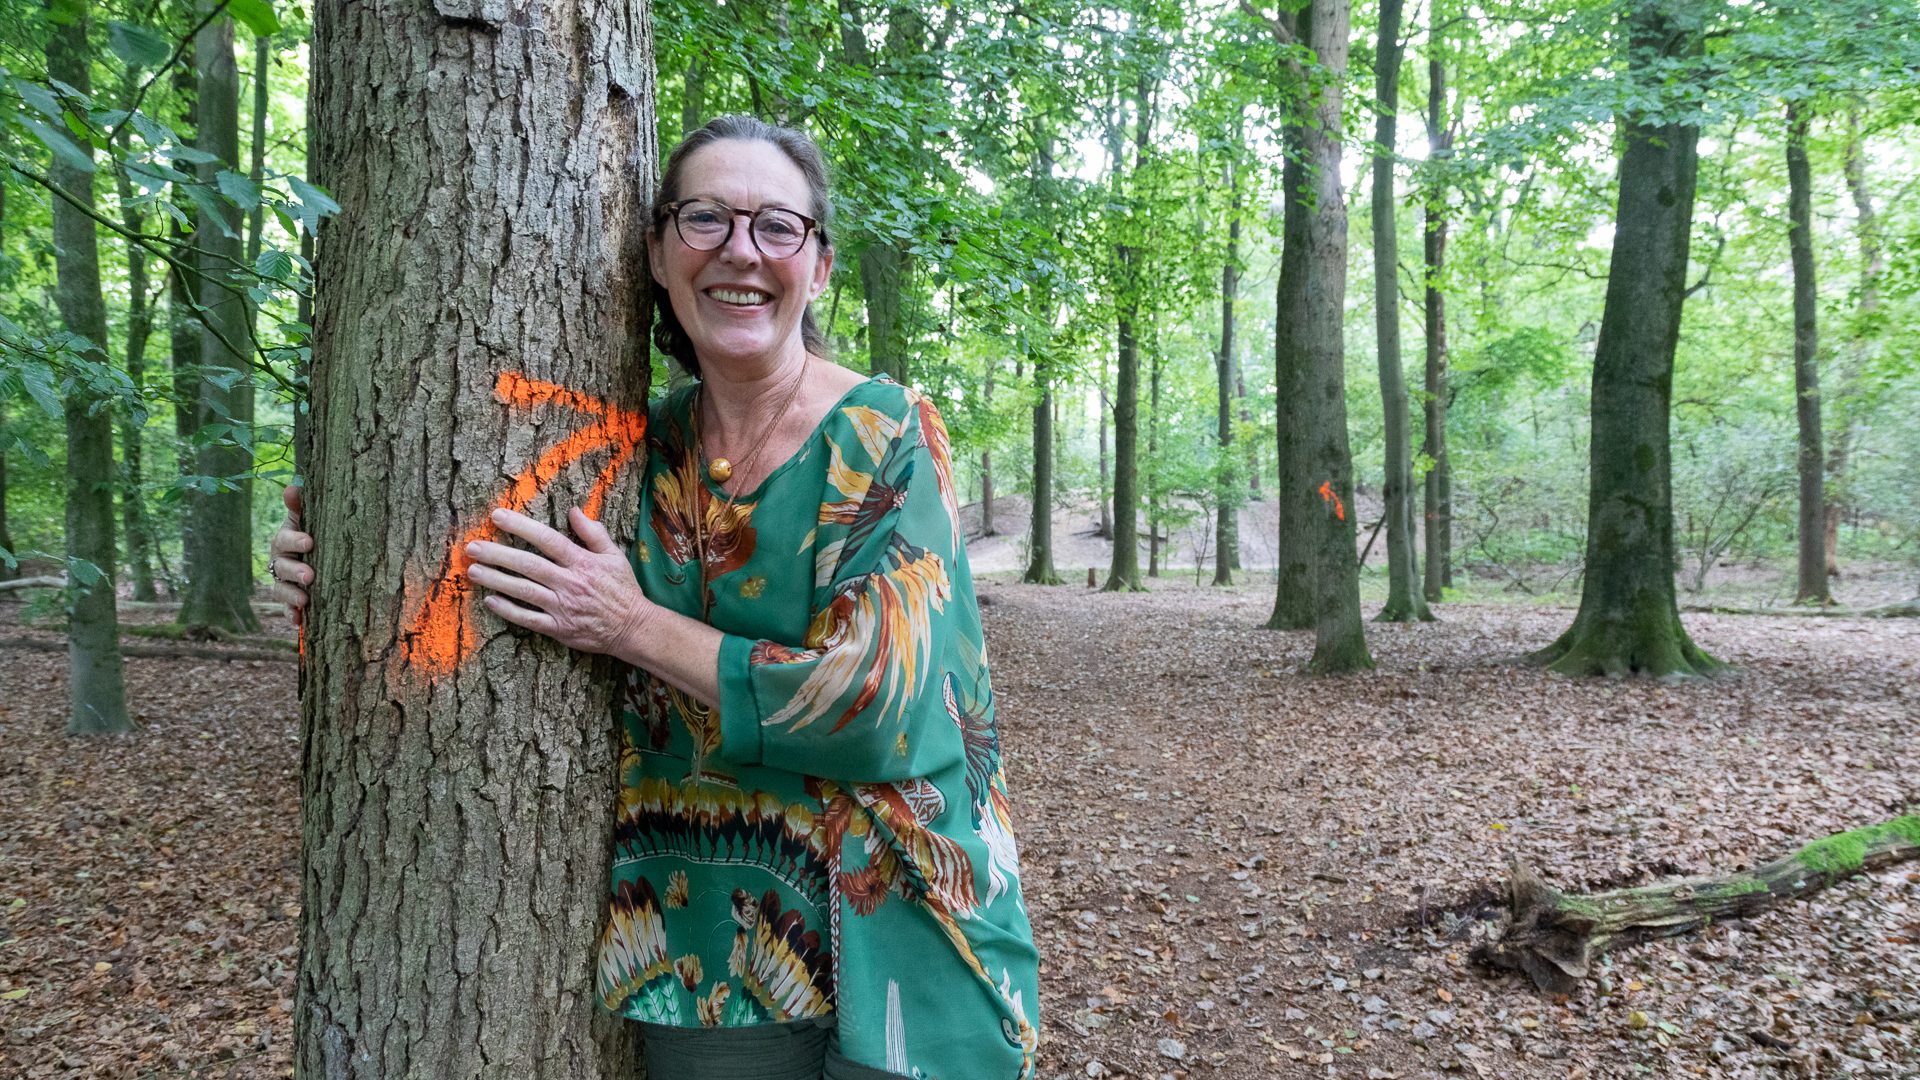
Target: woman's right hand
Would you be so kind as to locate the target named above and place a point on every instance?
(291, 574)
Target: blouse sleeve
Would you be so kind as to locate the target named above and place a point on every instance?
(860, 698)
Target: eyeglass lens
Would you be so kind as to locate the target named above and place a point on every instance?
(705, 226)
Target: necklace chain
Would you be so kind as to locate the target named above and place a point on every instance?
(726, 509)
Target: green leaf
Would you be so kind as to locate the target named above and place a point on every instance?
(38, 380)
(63, 147)
(273, 263)
(256, 14)
(39, 97)
(85, 573)
(315, 203)
(155, 132)
(137, 45)
(191, 155)
(244, 192)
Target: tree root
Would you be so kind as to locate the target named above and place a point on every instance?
(1555, 937)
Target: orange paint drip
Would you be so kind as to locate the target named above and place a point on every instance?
(1328, 495)
(444, 629)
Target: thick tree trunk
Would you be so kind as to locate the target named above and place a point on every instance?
(482, 287)
(1040, 569)
(1812, 587)
(1555, 938)
(1872, 265)
(1438, 486)
(886, 267)
(96, 690)
(219, 528)
(1318, 540)
(1405, 601)
(1226, 540)
(1628, 620)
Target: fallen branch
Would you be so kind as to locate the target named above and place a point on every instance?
(191, 652)
(44, 581)
(1554, 937)
(1906, 609)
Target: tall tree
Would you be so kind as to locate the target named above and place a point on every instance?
(1629, 620)
(1405, 602)
(133, 506)
(1873, 263)
(1319, 579)
(1812, 588)
(7, 570)
(219, 528)
(456, 773)
(1124, 572)
(1437, 488)
(1040, 568)
(96, 688)
(1226, 540)
(886, 265)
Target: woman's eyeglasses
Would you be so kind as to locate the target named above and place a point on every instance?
(705, 225)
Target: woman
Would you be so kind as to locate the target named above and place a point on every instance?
(813, 874)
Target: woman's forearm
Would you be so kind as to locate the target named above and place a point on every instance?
(682, 652)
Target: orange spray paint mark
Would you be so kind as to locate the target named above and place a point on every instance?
(444, 628)
(1328, 495)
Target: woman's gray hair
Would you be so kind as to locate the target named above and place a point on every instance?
(668, 335)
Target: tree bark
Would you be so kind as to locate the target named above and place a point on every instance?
(1629, 621)
(1317, 520)
(133, 505)
(96, 690)
(1555, 938)
(886, 267)
(1806, 371)
(219, 527)
(1438, 486)
(1123, 575)
(482, 286)
(986, 469)
(1405, 601)
(1040, 568)
(1153, 459)
(1103, 406)
(1227, 494)
(1872, 264)
(7, 572)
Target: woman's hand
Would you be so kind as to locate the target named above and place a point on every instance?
(584, 597)
(291, 574)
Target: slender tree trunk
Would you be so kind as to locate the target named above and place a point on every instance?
(1872, 265)
(886, 267)
(1628, 620)
(457, 790)
(986, 470)
(7, 572)
(1438, 485)
(256, 222)
(219, 530)
(1227, 494)
(1103, 406)
(1124, 573)
(96, 689)
(1405, 602)
(1806, 371)
(1154, 507)
(133, 507)
(693, 99)
(1040, 569)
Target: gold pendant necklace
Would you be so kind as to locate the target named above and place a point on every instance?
(721, 470)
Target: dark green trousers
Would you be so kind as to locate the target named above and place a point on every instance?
(802, 1050)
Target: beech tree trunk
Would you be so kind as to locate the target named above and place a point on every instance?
(481, 305)
(1438, 486)
(1806, 371)
(1872, 264)
(1040, 568)
(1318, 540)
(1153, 459)
(1124, 573)
(96, 689)
(1103, 407)
(219, 527)
(1226, 540)
(133, 505)
(1629, 620)
(1555, 938)
(7, 571)
(1405, 601)
(886, 267)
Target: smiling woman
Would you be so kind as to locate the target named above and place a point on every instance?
(814, 869)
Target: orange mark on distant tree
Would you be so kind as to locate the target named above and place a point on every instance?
(1328, 495)
(444, 628)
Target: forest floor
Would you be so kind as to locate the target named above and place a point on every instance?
(1234, 871)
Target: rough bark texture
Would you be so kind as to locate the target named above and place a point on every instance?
(133, 505)
(1124, 572)
(219, 527)
(1806, 371)
(1629, 622)
(1438, 486)
(1405, 601)
(1317, 519)
(96, 690)
(1555, 938)
(1226, 540)
(458, 795)
(1040, 569)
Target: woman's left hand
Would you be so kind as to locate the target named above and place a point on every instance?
(581, 595)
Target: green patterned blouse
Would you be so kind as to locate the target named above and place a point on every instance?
(834, 839)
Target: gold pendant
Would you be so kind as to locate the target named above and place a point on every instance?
(720, 469)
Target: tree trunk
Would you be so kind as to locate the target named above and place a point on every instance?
(1438, 485)
(1040, 569)
(7, 572)
(1317, 524)
(219, 528)
(986, 470)
(1405, 602)
(483, 282)
(133, 505)
(1226, 540)
(693, 98)
(95, 688)
(1628, 620)
(1555, 938)
(1806, 371)
(1123, 574)
(1103, 406)
(1872, 265)
(1153, 460)
(886, 266)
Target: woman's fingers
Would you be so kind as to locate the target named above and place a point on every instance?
(295, 496)
(290, 595)
(512, 585)
(592, 534)
(551, 542)
(538, 621)
(525, 563)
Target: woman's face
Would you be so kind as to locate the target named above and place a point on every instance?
(740, 308)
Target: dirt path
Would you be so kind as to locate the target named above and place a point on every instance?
(1226, 862)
